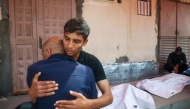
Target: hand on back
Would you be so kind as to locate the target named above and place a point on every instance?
(79, 103)
(41, 88)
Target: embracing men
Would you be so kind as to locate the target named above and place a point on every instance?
(69, 74)
(75, 36)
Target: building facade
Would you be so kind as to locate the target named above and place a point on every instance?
(121, 31)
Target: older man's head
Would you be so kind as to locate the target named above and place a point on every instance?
(51, 46)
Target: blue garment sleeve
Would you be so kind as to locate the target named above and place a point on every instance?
(94, 93)
(28, 78)
(30, 75)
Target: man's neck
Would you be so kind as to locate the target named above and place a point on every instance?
(75, 57)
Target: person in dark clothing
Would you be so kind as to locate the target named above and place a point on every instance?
(69, 74)
(176, 61)
(76, 32)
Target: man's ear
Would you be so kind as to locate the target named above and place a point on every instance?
(85, 42)
(48, 50)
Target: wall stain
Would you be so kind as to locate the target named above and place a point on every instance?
(118, 46)
(122, 59)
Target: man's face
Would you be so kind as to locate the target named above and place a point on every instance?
(177, 53)
(73, 43)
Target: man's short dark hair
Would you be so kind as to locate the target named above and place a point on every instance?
(79, 26)
(178, 49)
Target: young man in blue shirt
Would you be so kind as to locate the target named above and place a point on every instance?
(75, 36)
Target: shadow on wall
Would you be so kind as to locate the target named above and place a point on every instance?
(122, 59)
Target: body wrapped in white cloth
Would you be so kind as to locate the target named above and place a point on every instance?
(127, 96)
(165, 86)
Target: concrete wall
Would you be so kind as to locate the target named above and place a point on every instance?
(5, 54)
(117, 32)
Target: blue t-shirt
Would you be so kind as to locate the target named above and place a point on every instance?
(69, 74)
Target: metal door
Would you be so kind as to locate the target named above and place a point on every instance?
(31, 20)
(174, 27)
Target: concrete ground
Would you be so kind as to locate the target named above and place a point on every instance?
(12, 101)
(178, 101)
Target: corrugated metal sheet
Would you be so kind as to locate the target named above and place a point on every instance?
(167, 45)
(184, 43)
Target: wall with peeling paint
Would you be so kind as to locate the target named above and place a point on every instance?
(117, 31)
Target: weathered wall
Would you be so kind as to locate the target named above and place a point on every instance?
(117, 31)
(5, 54)
(118, 34)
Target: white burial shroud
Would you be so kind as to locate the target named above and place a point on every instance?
(165, 86)
(127, 96)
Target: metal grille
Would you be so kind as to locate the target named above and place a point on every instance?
(183, 42)
(167, 45)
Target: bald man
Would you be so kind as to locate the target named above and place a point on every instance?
(69, 74)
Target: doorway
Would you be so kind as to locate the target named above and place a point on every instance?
(174, 30)
(32, 22)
